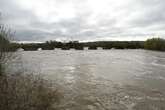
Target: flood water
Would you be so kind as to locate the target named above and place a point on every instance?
(103, 79)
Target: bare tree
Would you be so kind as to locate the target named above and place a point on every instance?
(22, 91)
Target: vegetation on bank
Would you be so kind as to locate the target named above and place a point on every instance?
(23, 91)
(50, 45)
(150, 44)
(155, 44)
(4, 46)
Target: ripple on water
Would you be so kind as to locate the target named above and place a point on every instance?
(87, 78)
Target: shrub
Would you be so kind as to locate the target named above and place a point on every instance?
(27, 92)
(22, 91)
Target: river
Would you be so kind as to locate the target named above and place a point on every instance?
(103, 79)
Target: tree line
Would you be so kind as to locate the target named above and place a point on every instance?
(150, 44)
(50, 45)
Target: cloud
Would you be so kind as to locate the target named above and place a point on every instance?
(41, 20)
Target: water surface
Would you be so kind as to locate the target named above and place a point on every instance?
(103, 79)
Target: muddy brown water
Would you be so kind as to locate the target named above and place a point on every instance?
(103, 79)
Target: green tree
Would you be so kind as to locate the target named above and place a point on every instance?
(155, 44)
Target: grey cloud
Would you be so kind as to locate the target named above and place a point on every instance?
(28, 35)
(142, 18)
(151, 13)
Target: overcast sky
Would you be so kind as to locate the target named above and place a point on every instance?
(84, 20)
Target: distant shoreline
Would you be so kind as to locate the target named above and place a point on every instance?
(150, 44)
(51, 45)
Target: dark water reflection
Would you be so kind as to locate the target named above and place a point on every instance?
(104, 79)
